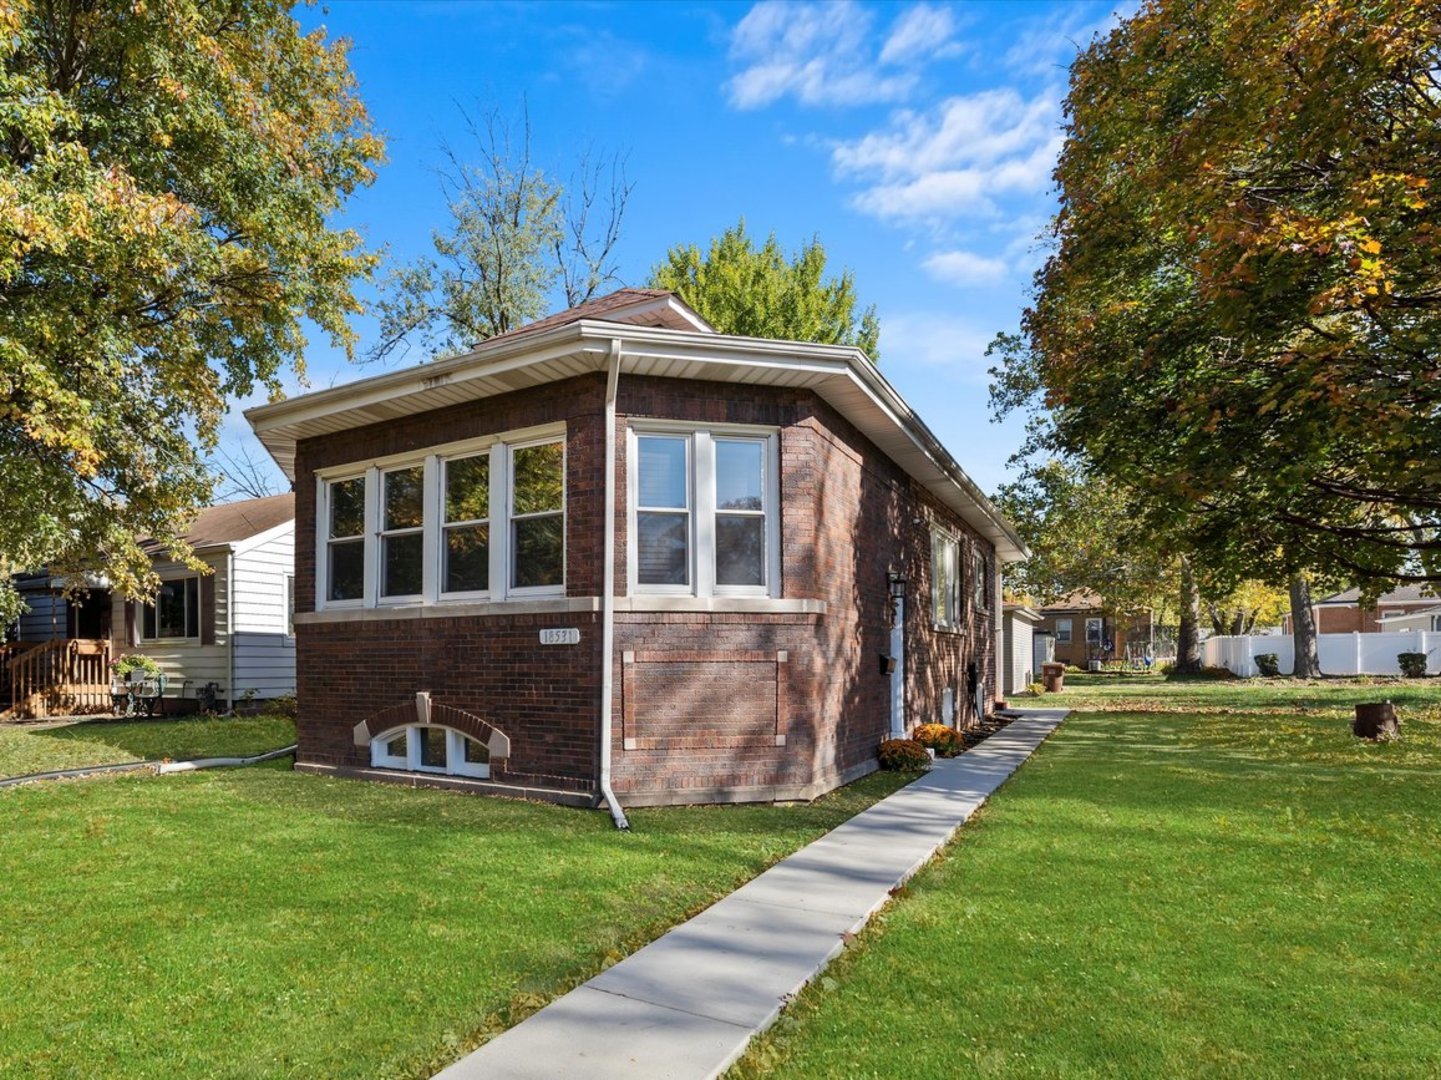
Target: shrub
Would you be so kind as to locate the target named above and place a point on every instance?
(1036, 689)
(943, 740)
(1268, 664)
(1168, 668)
(284, 705)
(904, 755)
(1413, 664)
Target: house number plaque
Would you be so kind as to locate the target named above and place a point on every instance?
(568, 635)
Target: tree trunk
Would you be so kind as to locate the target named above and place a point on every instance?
(1307, 662)
(1188, 638)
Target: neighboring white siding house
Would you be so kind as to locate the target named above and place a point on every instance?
(1020, 624)
(230, 627)
(264, 638)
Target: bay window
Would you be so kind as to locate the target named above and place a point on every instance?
(482, 519)
(704, 517)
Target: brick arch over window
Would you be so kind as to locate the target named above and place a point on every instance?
(422, 710)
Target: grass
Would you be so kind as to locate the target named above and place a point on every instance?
(263, 923)
(26, 749)
(1189, 879)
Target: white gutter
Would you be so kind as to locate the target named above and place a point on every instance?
(607, 603)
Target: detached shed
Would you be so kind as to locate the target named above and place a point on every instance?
(1020, 623)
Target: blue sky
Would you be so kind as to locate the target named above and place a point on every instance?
(915, 139)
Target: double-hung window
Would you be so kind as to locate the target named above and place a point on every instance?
(345, 544)
(945, 581)
(402, 533)
(537, 516)
(704, 518)
(482, 519)
(1093, 632)
(175, 615)
(1063, 631)
(465, 553)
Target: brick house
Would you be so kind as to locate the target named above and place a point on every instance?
(1085, 630)
(615, 554)
(1343, 612)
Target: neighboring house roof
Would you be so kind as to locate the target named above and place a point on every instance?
(642, 327)
(231, 523)
(1024, 612)
(1407, 594)
(1081, 600)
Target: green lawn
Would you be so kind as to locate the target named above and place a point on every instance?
(263, 923)
(25, 749)
(1189, 879)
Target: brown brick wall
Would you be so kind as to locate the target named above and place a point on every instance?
(699, 721)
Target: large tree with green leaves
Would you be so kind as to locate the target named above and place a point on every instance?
(167, 174)
(1242, 315)
(760, 292)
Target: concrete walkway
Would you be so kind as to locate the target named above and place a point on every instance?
(685, 1006)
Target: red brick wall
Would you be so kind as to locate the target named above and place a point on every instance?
(710, 718)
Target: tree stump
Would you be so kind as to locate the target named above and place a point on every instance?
(1376, 720)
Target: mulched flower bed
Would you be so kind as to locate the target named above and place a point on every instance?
(974, 736)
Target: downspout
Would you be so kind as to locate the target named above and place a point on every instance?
(607, 600)
(229, 624)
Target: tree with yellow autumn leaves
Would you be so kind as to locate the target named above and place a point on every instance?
(1241, 316)
(167, 172)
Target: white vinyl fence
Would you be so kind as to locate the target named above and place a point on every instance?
(1340, 654)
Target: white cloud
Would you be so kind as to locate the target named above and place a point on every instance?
(966, 268)
(921, 32)
(825, 54)
(1047, 46)
(948, 344)
(957, 160)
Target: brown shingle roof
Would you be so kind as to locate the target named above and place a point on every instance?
(599, 308)
(229, 523)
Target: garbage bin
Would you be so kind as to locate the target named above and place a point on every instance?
(1054, 676)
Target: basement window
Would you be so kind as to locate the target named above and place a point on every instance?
(432, 749)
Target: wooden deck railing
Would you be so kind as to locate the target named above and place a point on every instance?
(58, 678)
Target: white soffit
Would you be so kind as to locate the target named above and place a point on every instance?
(841, 375)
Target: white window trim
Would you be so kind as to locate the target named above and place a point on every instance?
(455, 763)
(981, 587)
(154, 607)
(700, 470)
(500, 447)
(1100, 625)
(939, 537)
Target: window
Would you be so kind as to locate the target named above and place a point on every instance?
(703, 513)
(479, 519)
(428, 748)
(175, 615)
(663, 511)
(945, 580)
(537, 516)
(290, 605)
(402, 539)
(1063, 631)
(1436, 622)
(1093, 631)
(345, 549)
(980, 581)
(466, 549)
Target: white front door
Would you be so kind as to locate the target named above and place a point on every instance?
(898, 674)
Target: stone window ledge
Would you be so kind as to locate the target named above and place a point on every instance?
(566, 606)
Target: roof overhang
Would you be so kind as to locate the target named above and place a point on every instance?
(840, 375)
